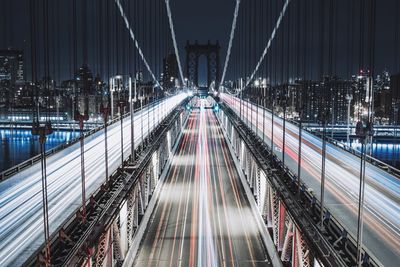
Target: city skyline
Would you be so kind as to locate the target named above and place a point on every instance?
(15, 32)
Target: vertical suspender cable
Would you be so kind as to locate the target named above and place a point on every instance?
(171, 25)
(128, 27)
(272, 37)
(232, 35)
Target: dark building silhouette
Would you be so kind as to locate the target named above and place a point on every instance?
(193, 53)
(395, 98)
(171, 71)
(11, 75)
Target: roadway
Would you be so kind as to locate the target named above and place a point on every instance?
(381, 233)
(21, 214)
(202, 217)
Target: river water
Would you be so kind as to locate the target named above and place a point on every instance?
(18, 145)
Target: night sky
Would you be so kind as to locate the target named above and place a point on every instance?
(200, 20)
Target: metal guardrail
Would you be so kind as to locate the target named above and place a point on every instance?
(28, 163)
(64, 126)
(374, 161)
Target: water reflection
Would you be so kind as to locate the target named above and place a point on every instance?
(19, 145)
(389, 153)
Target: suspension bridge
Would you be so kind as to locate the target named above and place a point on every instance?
(181, 174)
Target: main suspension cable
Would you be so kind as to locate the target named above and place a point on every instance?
(278, 22)
(232, 35)
(132, 35)
(171, 26)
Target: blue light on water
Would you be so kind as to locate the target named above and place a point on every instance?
(386, 152)
(19, 145)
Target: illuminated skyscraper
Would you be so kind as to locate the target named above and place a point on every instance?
(11, 73)
(171, 71)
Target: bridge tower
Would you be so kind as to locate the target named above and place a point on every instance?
(211, 52)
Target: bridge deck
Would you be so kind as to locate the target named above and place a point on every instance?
(382, 190)
(21, 215)
(202, 217)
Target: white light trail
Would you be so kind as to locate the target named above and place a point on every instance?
(171, 25)
(20, 220)
(278, 23)
(128, 27)
(382, 193)
(232, 35)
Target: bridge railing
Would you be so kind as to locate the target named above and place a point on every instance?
(30, 162)
(374, 161)
(61, 125)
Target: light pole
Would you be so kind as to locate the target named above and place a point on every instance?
(284, 128)
(121, 107)
(396, 118)
(264, 99)
(332, 115)
(154, 111)
(141, 119)
(349, 98)
(299, 154)
(132, 100)
(58, 113)
(159, 102)
(148, 114)
(80, 119)
(43, 131)
(324, 119)
(272, 120)
(258, 86)
(364, 134)
(241, 96)
(112, 97)
(105, 111)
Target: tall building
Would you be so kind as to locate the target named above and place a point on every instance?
(395, 98)
(85, 80)
(11, 65)
(11, 73)
(382, 99)
(337, 91)
(310, 104)
(310, 99)
(171, 71)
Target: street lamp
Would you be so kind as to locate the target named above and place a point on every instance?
(80, 118)
(105, 111)
(121, 107)
(58, 113)
(141, 117)
(323, 118)
(43, 131)
(349, 98)
(365, 134)
(132, 99)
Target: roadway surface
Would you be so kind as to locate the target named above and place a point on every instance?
(381, 233)
(21, 214)
(202, 217)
